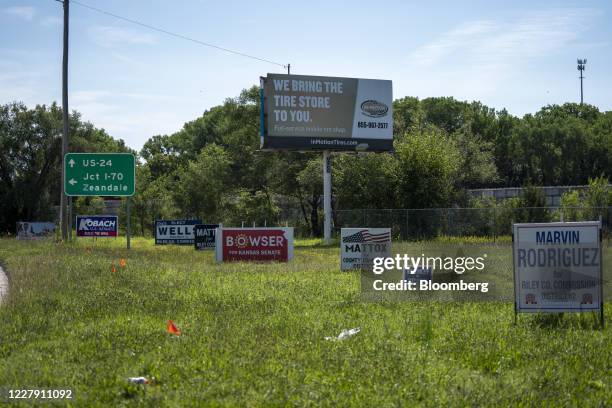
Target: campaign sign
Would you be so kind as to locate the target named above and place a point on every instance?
(416, 275)
(175, 232)
(557, 267)
(359, 247)
(204, 235)
(97, 225)
(35, 230)
(254, 244)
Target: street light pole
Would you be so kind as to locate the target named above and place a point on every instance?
(581, 68)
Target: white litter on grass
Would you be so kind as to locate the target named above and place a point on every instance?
(138, 380)
(345, 334)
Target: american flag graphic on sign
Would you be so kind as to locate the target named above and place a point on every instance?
(364, 236)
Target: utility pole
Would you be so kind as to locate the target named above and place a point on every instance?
(581, 68)
(63, 198)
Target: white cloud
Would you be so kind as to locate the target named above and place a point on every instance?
(481, 60)
(24, 12)
(498, 42)
(109, 36)
(144, 118)
(51, 21)
(450, 42)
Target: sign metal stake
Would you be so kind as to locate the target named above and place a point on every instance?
(128, 232)
(69, 219)
(601, 281)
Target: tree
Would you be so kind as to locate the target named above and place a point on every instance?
(310, 181)
(477, 161)
(364, 180)
(203, 184)
(426, 166)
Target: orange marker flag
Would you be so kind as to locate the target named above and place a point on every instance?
(114, 269)
(172, 329)
(122, 263)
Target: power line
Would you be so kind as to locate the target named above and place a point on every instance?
(170, 33)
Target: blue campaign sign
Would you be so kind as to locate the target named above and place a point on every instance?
(175, 232)
(418, 274)
(205, 236)
(97, 225)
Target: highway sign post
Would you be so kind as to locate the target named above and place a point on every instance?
(101, 174)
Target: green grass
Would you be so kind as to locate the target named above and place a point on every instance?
(253, 335)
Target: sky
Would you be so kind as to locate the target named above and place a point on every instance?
(136, 83)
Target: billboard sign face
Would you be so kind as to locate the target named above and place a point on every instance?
(254, 244)
(204, 235)
(326, 113)
(175, 232)
(99, 174)
(97, 225)
(359, 247)
(557, 267)
(35, 230)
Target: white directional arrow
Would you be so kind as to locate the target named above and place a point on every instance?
(71, 162)
(72, 182)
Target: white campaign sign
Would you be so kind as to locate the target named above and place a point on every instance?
(359, 246)
(557, 267)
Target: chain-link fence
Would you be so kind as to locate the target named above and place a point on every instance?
(406, 224)
(418, 224)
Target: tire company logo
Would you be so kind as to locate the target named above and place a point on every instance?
(374, 109)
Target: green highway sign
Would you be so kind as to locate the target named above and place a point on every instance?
(99, 174)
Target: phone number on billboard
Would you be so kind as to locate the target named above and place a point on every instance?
(373, 125)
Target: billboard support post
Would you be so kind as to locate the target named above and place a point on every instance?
(327, 210)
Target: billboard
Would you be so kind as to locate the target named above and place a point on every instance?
(175, 232)
(359, 247)
(557, 267)
(326, 113)
(204, 236)
(254, 244)
(35, 230)
(97, 225)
